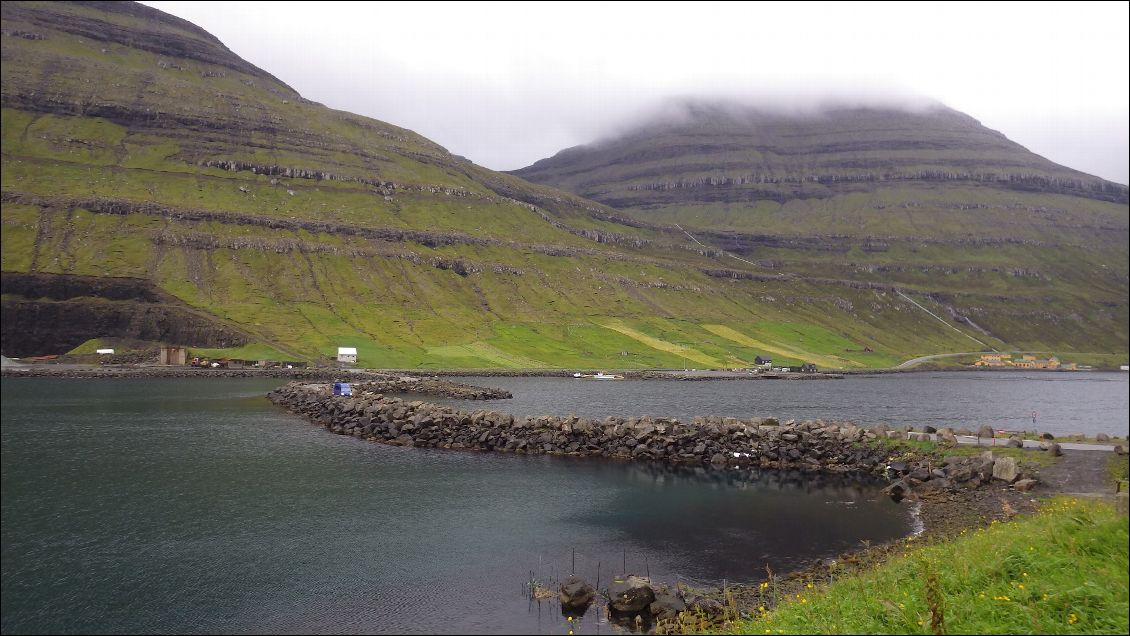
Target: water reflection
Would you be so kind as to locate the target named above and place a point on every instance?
(188, 506)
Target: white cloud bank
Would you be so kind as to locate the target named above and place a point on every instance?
(507, 84)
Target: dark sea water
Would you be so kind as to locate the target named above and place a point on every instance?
(167, 505)
(1088, 402)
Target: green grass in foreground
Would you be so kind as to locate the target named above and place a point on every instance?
(1062, 570)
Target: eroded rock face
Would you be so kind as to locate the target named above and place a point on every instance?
(53, 313)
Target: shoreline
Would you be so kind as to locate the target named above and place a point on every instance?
(64, 370)
(67, 370)
(946, 497)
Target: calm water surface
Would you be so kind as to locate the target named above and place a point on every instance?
(168, 505)
(1089, 402)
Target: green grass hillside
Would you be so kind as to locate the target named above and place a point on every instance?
(157, 187)
(1003, 240)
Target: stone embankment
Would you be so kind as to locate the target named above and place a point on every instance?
(814, 446)
(808, 446)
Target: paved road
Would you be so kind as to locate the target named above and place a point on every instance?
(970, 440)
(917, 361)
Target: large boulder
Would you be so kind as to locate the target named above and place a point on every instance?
(898, 490)
(1024, 485)
(707, 607)
(1006, 469)
(630, 595)
(667, 605)
(1102, 437)
(985, 431)
(1054, 449)
(576, 594)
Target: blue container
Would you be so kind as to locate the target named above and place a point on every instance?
(342, 388)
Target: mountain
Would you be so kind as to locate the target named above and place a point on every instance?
(158, 188)
(721, 152)
(1009, 243)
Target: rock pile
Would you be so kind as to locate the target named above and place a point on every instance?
(809, 446)
(956, 472)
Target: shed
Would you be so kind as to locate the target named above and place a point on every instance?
(173, 356)
(347, 355)
(104, 352)
(760, 360)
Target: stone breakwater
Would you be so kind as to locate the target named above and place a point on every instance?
(809, 446)
(806, 447)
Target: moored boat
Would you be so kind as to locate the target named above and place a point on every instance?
(606, 376)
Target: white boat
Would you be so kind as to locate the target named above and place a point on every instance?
(605, 376)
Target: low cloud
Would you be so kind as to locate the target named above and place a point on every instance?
(507, 84)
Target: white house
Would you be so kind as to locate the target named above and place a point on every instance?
(104, 352)
(347, 355)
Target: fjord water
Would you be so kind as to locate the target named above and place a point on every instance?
(1064, 402)
(167, 505)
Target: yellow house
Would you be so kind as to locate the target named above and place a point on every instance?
(1032, 362)
(994, 360)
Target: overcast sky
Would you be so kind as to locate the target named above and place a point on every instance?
(508, 84)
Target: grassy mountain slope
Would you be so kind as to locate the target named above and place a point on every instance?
(156, 186)
(1029, 251)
